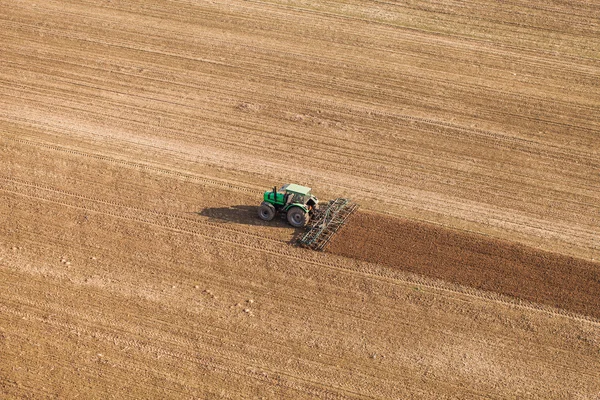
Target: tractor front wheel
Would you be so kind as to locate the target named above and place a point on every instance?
(297, 217)
(266, 211)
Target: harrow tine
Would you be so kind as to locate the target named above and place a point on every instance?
(327, 222)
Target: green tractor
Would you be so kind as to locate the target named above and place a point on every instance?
(295, 201)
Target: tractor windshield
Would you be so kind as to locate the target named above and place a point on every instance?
(297, 198)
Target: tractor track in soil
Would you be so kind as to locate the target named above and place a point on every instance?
(348, 151)
(377, 318)
(370, 195)
(50, 65)
(225, 360)
(413, 33)
(176, 79)
(408, 32)
(365, 195)
(226, 365)
(117, 339)
(295, 255)
(496, 136)
(376, 177)
(522, 98)
(504, 137)
(517, 97)
(505, 345)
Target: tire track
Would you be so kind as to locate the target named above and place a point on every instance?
(228, 366)
(324, 61)
(432, 170)
(571, 126)
(317, 259)
(194, 221)
(517, 226)
(281, 52)
(505, 345)
(499, 140)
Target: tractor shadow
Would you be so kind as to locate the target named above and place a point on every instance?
(248, 215)
(241, 214)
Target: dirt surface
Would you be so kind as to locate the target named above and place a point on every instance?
(136, 138)
(472, 260)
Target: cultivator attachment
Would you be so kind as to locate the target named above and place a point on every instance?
(326, 222)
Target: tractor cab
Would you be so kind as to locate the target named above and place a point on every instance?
(298, 194)
(295, 201)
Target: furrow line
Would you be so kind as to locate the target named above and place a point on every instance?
(427, 35)
(227, 366)
(375, 176)
(328, 61)
(208, 181)
(254, 49)
(504, 137)
(506, 344)
(385, 275)
(366, 195)
(377, 116)
(195, 221)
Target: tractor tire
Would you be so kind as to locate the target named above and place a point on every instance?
(297, 217)
(266, 211)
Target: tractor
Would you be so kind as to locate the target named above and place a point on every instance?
(295, 201)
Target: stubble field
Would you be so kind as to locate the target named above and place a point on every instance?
(136, 138)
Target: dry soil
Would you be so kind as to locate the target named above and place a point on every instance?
(136, 138)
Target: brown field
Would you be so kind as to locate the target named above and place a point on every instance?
(136, 138)
(472, 260)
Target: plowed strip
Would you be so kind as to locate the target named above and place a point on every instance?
(472, 260)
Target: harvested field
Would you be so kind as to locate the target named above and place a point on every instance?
(472, 260)
(136, 138)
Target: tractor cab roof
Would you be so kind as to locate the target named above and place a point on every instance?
(292, 187)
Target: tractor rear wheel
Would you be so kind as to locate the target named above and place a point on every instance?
(266, 211)
(297, 217)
